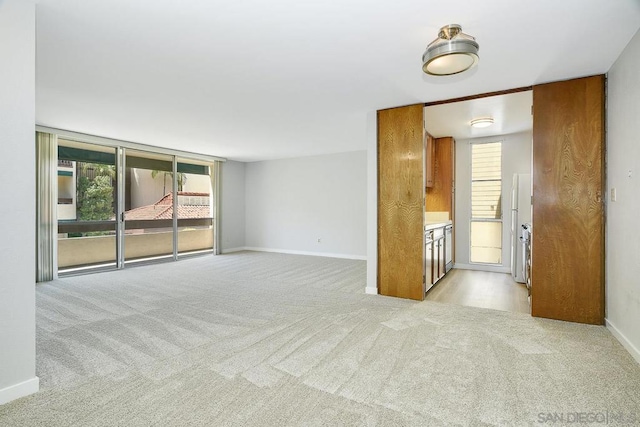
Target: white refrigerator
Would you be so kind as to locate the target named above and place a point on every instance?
(520, 214)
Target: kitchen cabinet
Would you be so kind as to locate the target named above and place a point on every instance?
(439, 197)
(430, 160)
(440, 244)
(436, 253)
(428, 259)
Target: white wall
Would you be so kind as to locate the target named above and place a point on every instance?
(372, 202)
(291, 203)
(195, 183)
(232, 201)
(623, 233)
(17, 251)
(516, 158)
(146, 190)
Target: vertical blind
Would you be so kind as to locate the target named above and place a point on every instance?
(46, 205)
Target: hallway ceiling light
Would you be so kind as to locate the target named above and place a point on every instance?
(482, 123)
(451, 53)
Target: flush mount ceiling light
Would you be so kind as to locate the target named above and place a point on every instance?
(451, 53)
(482, 123)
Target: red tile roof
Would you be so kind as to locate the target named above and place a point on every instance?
(163, 208)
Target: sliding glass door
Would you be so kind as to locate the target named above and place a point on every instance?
(118, 206)
(194, 207)
(86, 206)
(148, 206)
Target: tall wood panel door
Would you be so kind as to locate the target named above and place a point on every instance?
(568, 218)
(401, 202)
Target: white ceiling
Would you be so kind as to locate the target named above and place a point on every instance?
(511, 114)
(251, 80)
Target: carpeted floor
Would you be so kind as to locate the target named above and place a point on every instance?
(262, 339)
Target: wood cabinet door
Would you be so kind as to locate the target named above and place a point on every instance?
(568, 221)
(401, 202)
(440, 194)
(430, 160)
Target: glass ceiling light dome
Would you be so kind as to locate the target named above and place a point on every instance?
(451, 53)
(482, 122)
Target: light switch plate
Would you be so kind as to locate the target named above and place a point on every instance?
(613, 195)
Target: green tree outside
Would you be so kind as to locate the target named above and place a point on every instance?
(96, 203)
(95, 196)
(182, 178)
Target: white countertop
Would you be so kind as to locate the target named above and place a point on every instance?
(429, 225)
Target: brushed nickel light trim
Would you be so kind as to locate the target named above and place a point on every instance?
(451, 53)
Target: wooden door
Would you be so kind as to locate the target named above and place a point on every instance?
(401, 202)
(568, 221)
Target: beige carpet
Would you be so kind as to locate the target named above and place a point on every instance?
(259, 339)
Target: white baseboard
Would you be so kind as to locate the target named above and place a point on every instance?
(483, 267)
(19, 390)
(322, 254)
(632, 349)
(231, 250)
(371, 290)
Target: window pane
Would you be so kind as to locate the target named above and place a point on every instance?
(486, 242)
(86, 206)
(195, 217)
(486, 203)
(148, 206)
(486, 161)
(486, 199)
(194, 196)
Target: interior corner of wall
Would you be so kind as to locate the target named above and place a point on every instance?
(623, 339)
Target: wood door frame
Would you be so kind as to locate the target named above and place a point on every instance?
(523, 89)
(479, 96)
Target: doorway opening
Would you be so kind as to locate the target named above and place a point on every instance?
(485, 161)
